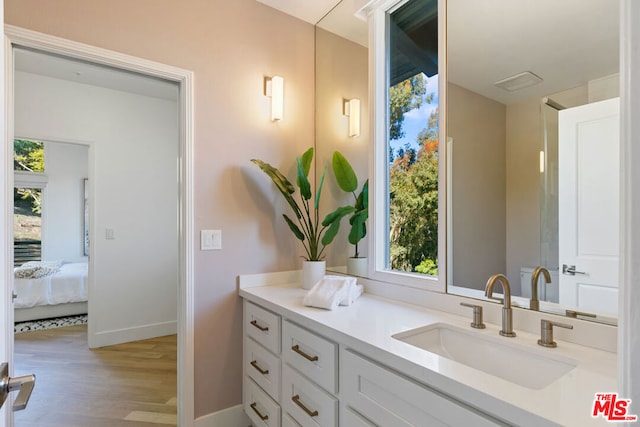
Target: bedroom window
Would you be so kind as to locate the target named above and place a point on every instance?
(407, 185)
(30, 180)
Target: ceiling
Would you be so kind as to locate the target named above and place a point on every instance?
(566, 43)
(64, 68)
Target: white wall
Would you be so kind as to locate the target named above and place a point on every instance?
(133, 185)
(341, 72)
(66, 166)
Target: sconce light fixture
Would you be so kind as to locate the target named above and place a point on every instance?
(274, 88)
(352, 110)
(542, 161)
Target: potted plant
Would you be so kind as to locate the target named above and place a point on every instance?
(348, 182)
(305, 225)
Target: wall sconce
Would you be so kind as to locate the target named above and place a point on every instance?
(352, 110)
(274, 87)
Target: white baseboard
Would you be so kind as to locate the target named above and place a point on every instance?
(119, 336)
(230, 417)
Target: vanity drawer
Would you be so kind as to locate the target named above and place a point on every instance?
(393, 400)
(263, 367)
(262, 410)
(263, 326)
(288, 421)
(311, 354)
(307, 403)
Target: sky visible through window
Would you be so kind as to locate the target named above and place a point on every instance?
(417, 119)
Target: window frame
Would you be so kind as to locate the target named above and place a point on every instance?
(378, 14)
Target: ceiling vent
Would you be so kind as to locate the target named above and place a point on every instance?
(519, 81)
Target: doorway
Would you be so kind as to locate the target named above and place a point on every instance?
(88, 54)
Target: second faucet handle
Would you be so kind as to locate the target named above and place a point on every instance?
(546, 332)
(477, 315)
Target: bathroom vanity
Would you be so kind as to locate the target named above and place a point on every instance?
(389, 363)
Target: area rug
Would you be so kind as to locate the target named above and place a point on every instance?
(57, 322)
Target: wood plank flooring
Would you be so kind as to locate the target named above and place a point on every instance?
(132, 384)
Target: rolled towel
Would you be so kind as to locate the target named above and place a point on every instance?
(332, 291)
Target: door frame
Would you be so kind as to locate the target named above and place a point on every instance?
(19, 37)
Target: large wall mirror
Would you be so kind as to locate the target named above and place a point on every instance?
(522, 78)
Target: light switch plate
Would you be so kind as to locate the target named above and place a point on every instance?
(210, 240)
(109, 234)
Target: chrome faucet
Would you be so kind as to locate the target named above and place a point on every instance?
(507, 313)
(534, 304)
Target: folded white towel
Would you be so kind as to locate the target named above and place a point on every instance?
(332, 291)
(353, 294)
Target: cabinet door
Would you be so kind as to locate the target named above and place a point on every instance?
(263, 326)
(314, 356)
(391, 400)
(306, 402)
(350, 418)
(263, 367)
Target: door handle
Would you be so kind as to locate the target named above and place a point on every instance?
(571, 270)
(23, 383)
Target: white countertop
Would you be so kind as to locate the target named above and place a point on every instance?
(368, 326)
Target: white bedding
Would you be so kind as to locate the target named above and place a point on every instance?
(65, 286)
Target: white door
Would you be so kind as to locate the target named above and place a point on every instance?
(6, 331)
(588, 190)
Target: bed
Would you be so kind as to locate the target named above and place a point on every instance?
(63, 293)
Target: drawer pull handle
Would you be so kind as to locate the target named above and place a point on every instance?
(296, 400)
(262, 328)
(254, 363)
(296, 348)
(262, 417)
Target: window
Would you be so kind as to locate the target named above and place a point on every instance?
(28, 164)
(407, 185)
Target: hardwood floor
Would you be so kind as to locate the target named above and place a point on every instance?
(132, 384)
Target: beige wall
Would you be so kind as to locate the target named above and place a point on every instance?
(341, 72)
(230, 46)
(524, 141)
(477, 126)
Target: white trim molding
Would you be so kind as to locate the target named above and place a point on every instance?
(15, 36)
(629, 313)
(229, 417)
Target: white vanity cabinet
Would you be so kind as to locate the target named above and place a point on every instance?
(373, 395)
(261, 366)
(290, 373)
(295, 377)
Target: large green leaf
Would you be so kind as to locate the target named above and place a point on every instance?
(303, 182)
(336, 215)
(294, 228)
(307, 158)
(358, 228)
(282, 183)
(331, 232)
(319, 191)
(344, 173)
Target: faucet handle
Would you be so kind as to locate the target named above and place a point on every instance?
(546, 332)
(477, 315)
(575, 314)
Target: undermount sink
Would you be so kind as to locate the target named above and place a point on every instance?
(493, 355)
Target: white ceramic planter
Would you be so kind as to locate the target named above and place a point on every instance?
(312, 273)
(357, 266)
